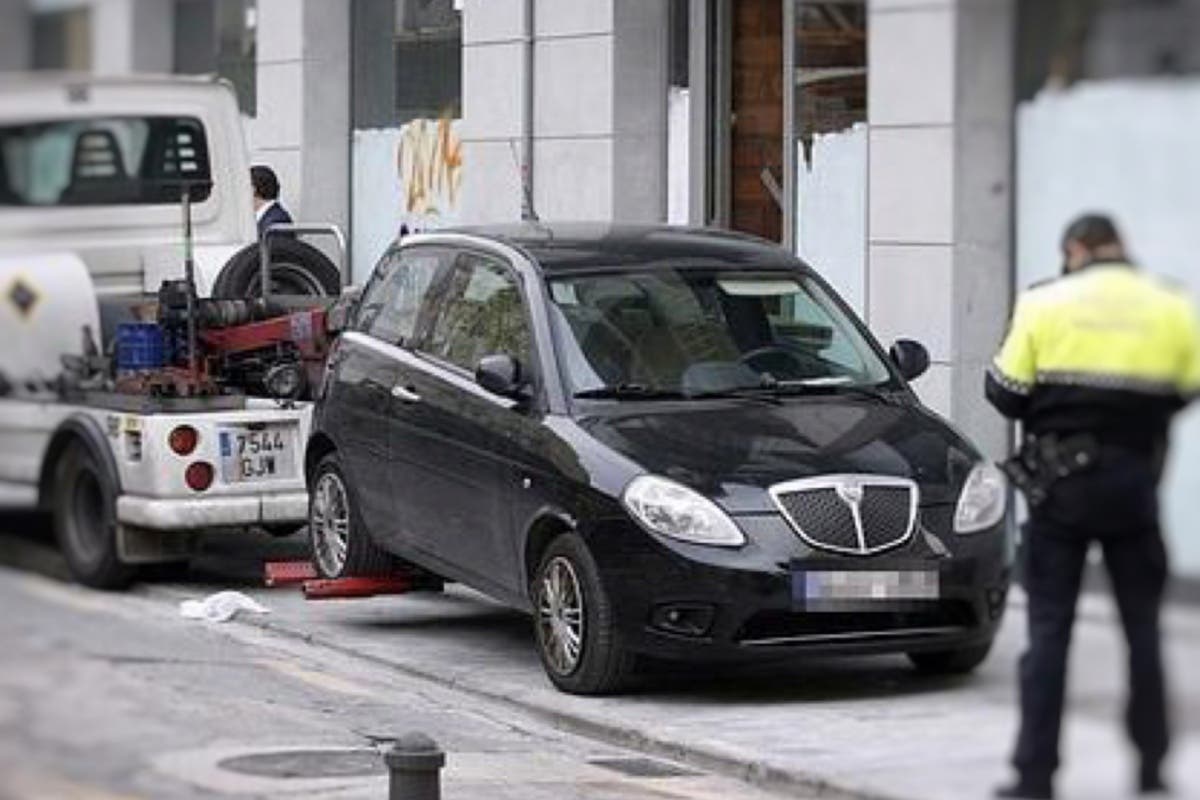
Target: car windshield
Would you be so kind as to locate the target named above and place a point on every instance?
(694, 332)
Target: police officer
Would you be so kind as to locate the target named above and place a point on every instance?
(1094, 366)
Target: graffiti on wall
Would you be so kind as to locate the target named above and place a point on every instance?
(429, 167)
(405, 179)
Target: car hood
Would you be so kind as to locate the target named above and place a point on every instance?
(732, 451)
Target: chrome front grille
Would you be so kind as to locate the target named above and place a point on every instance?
(850, 514)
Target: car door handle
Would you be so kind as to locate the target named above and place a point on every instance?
(405, 395)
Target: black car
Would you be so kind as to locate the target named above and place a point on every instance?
(664, 442)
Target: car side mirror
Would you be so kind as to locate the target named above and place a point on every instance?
(500, 374)
(911, 358)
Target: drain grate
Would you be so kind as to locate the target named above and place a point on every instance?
(307, 764)
(637, 767)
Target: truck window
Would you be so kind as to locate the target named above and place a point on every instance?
(103, 161)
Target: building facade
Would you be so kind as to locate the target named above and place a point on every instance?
(922, 154)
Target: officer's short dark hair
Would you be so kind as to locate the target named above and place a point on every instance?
(1092, 231)
(266, 184)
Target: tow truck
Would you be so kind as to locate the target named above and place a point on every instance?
(192, 418)
(148, 395)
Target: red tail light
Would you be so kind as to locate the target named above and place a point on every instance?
(199, 476)
(183, 440)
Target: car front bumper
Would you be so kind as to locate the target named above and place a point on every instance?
(742, 603)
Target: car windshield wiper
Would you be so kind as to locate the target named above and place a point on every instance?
(636, 391)
(769, 391)
(765, 393)
(820, 386)
(629, 391)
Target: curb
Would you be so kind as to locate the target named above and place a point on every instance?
(710, 757)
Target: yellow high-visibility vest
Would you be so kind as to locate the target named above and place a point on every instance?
(1108, 326)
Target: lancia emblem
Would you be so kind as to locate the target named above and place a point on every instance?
(851, 493)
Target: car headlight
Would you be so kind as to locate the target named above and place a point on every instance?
(665, 507)
(983, 500)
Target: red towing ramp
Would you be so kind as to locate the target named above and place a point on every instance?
(289, 573)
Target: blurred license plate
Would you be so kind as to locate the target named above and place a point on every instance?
(261, 453)
(848, 590)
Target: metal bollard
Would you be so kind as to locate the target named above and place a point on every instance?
(414, 765)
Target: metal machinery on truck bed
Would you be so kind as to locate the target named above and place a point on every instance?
(193, 418)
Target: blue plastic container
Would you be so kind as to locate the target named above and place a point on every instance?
(140, 347)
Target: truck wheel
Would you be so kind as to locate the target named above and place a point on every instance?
(341, 545)
(85, 520)
(296, 269)
(574, 622)
(951, 662)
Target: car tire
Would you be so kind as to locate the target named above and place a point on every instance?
(951, 662)
(340, 543)
(296, 269)
(85, 520)
(568, 596)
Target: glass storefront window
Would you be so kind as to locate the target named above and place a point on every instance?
(826, 142)
(830, 68)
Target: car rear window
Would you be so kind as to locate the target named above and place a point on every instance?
(103, 161)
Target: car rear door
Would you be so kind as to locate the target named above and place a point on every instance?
(454, 447)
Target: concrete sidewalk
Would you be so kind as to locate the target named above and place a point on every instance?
(870, 727)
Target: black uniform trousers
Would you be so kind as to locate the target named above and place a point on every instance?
(1104, 510)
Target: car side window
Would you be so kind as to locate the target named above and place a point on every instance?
(397, 304)
(481, 313)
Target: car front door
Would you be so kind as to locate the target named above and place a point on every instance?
(457, 441)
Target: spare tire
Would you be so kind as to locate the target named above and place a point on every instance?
(296, 269)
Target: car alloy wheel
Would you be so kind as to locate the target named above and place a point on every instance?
(329, 519)
(560, 616)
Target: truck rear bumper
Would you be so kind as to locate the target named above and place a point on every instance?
(211, 512)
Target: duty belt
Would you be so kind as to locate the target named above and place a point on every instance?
(1044, 460)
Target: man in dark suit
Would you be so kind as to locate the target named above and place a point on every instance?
(267, 207)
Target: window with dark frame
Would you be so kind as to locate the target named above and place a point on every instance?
(62, 40)
(428, 60)
(1067, 41)
(220, 37)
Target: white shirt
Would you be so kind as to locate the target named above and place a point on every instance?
(258, 215)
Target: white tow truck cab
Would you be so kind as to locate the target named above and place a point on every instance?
(73, 150)
(91, 164)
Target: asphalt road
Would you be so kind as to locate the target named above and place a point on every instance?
(868, 726)
(106, 696)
